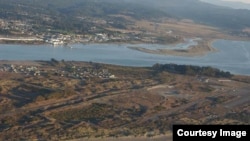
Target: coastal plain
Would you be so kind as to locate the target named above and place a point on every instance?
(54, 98)
(64, 100)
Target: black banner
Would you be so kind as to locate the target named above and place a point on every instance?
(211, 132)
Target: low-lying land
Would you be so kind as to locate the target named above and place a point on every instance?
(202, 48)
(59, 100)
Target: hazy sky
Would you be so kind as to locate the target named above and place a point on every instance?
(246, 1)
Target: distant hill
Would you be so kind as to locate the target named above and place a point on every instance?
(200, 12)
(204, 13)
(231, 4)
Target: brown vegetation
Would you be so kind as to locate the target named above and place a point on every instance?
(138, 102)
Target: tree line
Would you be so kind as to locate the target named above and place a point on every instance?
(191, 70)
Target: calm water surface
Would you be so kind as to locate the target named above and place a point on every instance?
(233, 56)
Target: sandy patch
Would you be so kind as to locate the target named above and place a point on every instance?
(203, 47)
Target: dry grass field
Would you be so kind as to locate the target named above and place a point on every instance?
(128, 107)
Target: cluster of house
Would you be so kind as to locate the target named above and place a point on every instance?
(72, 72)
(84, 72)
(56, 39)
(27, 70)
(60, 39)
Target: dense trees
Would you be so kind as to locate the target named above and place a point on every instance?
(191, 70)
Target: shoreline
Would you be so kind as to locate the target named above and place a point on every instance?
(40, 62)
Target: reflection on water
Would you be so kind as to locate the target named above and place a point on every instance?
(232, 56)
